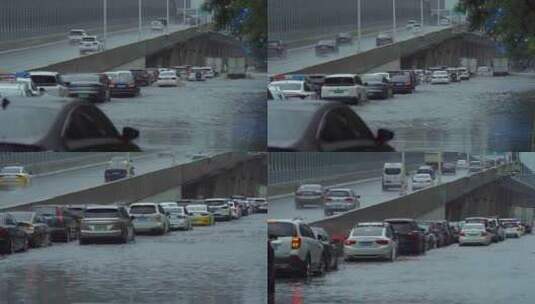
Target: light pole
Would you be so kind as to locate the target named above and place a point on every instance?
(394, 20)
(167, 16)
(438, 12)
(422, 14)
(139, 19)
(184, 14)
(105, 13)
(358, 24)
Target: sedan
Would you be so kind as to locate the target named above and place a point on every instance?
(449, 168)
(420, 181)
(324, 47)
(371, 242)
(13, 238)
(308, 194)
(123, 83)
(14, 175)
(276, 48)
(167, 79)
(344, 38)
(321, 126)
(35, 226)
(104, 223)
(92, 87)
(61, 125)
(383, 39)
(340, 200)
(200, 216)
(474, 233)
(378, 86)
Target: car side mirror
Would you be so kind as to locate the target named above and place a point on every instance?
(384, 135)
(130, 133)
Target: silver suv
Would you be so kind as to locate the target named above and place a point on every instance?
(296, 249)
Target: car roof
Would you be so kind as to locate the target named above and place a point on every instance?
(13, 167)
(340, 75)
(399, 220)
(364, 224)
(339, 189)
(143, 204)
(216, 199)
(286, 81)
(290, 221)
(425, 167)
(393, 165)
(422, 175)
(91, 207)
(43, 73)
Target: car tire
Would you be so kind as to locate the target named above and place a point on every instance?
(306, 270)
(392, 256)
(10, 247)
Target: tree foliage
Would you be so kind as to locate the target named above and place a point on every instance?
(511, 22)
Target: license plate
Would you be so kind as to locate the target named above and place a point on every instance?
(121, 85)
(365, 244)
(100, 227)
(339, 91)
(83, 95)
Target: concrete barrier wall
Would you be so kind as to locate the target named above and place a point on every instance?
(413, 205)
(146, 185)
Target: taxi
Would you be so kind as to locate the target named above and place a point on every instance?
(14, 175)
(200, 216)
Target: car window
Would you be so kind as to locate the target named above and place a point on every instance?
(339, 81)
(339, 193)
(148, 209)
(402, 227)
(87, 122)
(340, 125)
(306, 231)
(367, 231)
(44, 80)
(281, 229)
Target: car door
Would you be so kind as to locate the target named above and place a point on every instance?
(314, 245)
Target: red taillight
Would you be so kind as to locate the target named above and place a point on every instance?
(296, 242)
(382, 242)
(349, 199)
(4, 233)
(59, 215)
(350, 242)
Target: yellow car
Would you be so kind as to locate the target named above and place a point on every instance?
(14, 175)
(200, 216)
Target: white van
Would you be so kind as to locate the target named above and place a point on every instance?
(394, 175)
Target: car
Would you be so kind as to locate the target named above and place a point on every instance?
(330, 249)
(200, 216)
(475, 166)
(15, 89)
(325, 47)
(421, 181)
(463, 73)
(383, 39)
(293, 88)
(179, 219)
(92, 87)
(344, 87)
(410, 24)
(512, 228)
(157, 26)
(377, 86)
(182, 70)
(260, 204)
(378, 241)
(444, 230)
(344, 38)
(166, 79)
(235, 209)
(149, 218)
(444, 22)
(340, 200)
(276, 48)
(61, 125)
(61, 223)
(440, 77)
(297, 250)
(497, 230)
(309, 194)
(426, 169)
(49, 83)
(455, 228)
(106, 223)
(13, 238)
(454, 74)
(220, 208)
(430, 235)
(208, 71)
(321, 126)
(275, 93)
(416, 28)
(90, 44)
(411, 240)
(449, 168)
(484, 71)
(394, 175)
(123, 83)
(77, 212)
(402, 83)
(462, 163)
(119, 167)
(474, 233)
(76, 35)
(196, 74)
(35, 227)
(30, 86)
(142, 77)
(14, 175)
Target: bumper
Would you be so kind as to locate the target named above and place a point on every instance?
(58, 233)
(107, 235)
(309, 201)
(366, 253)
(124, 91)
(289, 264)
(402, 89)
(178, 225)
(473, 240)
(439, 81)
(95, 95)
(148, 227)
(337, 208)
(166, 83)
(377, 93)
(222, 216)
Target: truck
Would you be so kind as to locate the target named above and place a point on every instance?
(236, 68)
(216, 64)
(470, 64)
(500, 66)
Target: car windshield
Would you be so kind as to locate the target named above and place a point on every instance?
(80, 77)
(10, 170)
(510, 225)
(119, 163)
(325, 43)
(392, 171)
(143, 209)
(288, 86)
(174, 210)
(214, 203)
(422, 177)
(101, 213)
(339, 81)
(121, 77)
(22, 216)
(310, 188)
(338, 193)
(401, 227)
(474, 226)
(196, 208)
(281, 229)
(25, 125)
(168, 73)
(89, 39)
(400, 78)
(44, 80)
(367, 231)
(77, 33)
(372, 78)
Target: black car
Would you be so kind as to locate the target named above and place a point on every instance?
(449, 168)
(378, 86)
(316, 125)
(63, 225)
(13, 238)
(315, 82)
(401, 83)
(61, 125)
(35, 226)
(330, 250)
(123, 83)
(344, 38)
(92, 87)
(324, 47)
(411, 238)
(383, 39)
(141, 77)
(276, 48)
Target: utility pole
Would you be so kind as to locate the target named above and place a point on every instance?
(394, 21)
(167, 16)
(422, 14)
(359, 24)
(139, 19)
(105, 13)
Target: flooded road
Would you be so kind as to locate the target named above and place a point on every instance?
(225, 263)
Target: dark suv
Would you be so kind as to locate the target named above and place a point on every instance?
(92, 87)
(62, 223)
(106, 222)
(411, 238)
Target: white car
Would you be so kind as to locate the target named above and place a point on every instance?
(260, 204)
(512, 229)
(14, 89)
(208, 72)
(484, 71)
(157, 26)
(410, 24)
(235, 210)
(393, 175)
(463, 73)
(416, 28)
(90, 44)
(344, 87)
(76, 35)
(149, 218)
(196, 74)
(275, 93)
(440, 77)
(474, 233)
(444, 22)
(422, 180)
(375, 240)
(177, 215)
(462, 163)
(220, 208)
(296, 248)
(12, 175)
(49, 82)
(166, 79)
(30, 85)
(293, 88)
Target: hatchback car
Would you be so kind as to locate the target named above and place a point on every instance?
(347, 88)
(106, 223)
(13, 237)
(373, 241)
(149, 218)
(178, 217)
(61, 125)
(35, 227)
(92, 87)
(309, 194)
(321, 126)
(474, 233)
(220, 208)
(411, 239)
(62, 225)
(340, 200)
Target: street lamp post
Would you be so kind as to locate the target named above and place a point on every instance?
(394, 20)
(438, 12)
(358, 24)
(139, 19)
(422, 13)
(167, 16)
(105, 13)
(184, 13)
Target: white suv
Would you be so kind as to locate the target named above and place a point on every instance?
(344, 87)
(296, 249)
(90, 44)
(149, 218)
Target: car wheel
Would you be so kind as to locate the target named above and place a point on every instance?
(335, 266)
(322, 268)
(306, 271)
(392, 257)
(10, 247)
(26, 244)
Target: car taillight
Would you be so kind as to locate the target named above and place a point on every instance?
(296, 242)
(131, 85)
(350, 242)
(382, 242)
(349, 199)
(4, 233)
(59, 215)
